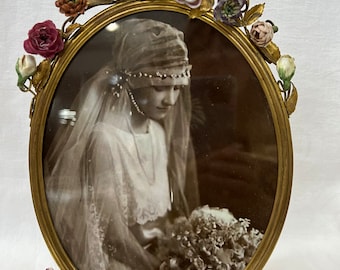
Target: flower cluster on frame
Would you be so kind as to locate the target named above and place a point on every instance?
(46, 40)
(237, 13)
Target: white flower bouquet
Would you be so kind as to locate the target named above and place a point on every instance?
(211, 238)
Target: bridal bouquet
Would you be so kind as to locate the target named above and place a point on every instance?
(211, 238)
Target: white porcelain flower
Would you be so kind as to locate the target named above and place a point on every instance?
(191, 3)
(25, 67)
(285, 67)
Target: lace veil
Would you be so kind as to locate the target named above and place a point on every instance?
(145, 52)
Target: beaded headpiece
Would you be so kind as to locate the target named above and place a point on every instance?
(149, 53)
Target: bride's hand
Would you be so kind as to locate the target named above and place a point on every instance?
(152, 233)
(147, 233)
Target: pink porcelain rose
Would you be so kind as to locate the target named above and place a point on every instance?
(261, 33)
(44, 39)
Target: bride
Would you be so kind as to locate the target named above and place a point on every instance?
(127, 165)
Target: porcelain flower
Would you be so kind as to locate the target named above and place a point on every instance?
(25, 67)
(261, 33)
(229, 11)
(71, 7)
(285, 67)
(44, 39)
(190, 3)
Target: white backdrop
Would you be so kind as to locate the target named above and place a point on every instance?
(309, 31)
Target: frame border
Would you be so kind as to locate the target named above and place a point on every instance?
(256, 62)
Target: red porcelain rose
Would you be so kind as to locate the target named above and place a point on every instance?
(44, 39)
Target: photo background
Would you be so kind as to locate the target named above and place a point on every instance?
(232, 128)
(310, 239)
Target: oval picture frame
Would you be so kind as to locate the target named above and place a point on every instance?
(239, 127)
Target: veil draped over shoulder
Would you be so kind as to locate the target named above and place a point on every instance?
(85, 205)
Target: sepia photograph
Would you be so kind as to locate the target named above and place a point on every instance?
(154, 135)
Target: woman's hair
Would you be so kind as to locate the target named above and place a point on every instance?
(145, 53)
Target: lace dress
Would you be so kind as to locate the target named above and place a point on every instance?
(128, 189)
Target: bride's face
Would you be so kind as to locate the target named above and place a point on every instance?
(156, 101)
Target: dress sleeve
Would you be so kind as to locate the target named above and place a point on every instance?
(108, 229)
